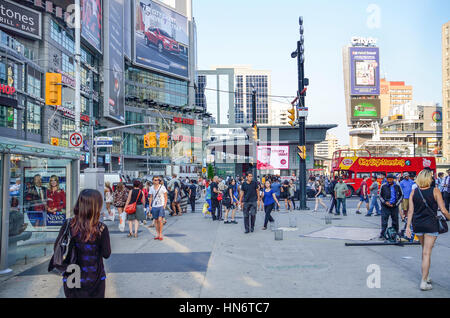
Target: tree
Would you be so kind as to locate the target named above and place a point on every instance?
(210, 172)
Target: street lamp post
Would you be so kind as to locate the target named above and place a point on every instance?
(302, 82)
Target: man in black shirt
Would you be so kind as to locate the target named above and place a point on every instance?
(214, 202)
(250, 197)
(192, 195)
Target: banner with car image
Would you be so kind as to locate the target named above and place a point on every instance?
(161, 39)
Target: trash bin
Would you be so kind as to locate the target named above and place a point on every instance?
(278, 235)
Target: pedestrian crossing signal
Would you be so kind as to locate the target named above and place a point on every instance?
(255, 132)
(291, 117)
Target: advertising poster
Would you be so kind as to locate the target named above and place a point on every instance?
(91, 22)
(272, 158)
(365, 108)
(365, 70)
(44, 197)
(161, 39)
(114, 97)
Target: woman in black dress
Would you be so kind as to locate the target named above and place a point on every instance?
(90, 239)
(424, 219)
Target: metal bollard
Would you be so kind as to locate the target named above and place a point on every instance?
(328, 218)
(292, 220)
(45, 251)
(278, 235)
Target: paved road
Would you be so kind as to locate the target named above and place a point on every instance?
(202, 258)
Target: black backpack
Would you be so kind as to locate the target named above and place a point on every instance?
(64, 252)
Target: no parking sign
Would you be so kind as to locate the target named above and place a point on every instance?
(75, 140)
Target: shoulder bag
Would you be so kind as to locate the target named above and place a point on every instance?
(64, 253)
(131, 208)
(442, 222)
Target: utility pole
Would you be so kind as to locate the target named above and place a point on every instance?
(255, 132)
(302, 82)
(77, 64)
(91, 119)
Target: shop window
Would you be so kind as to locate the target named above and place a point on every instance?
(8, 117)
(33, 118)
(38, 194)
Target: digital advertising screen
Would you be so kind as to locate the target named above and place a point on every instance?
(365, 108)
(161, 39)
(365, 71)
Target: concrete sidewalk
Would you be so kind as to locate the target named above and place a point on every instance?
(202, 258)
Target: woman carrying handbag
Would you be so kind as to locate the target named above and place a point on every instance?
(422, 214)
(135, 208)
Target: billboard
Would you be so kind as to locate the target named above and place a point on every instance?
(91, 22)
(161, 39)
(114, 96)
(365, 70)
(272, 157)
(365, 108)
(20, 19)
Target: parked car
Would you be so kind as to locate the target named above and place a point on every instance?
(162, 40)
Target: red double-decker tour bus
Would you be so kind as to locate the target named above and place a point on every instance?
(354, 165)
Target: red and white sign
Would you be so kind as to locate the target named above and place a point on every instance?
(75, 140)
(272, 157)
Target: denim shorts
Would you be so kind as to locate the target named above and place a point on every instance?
(158, 212)
(430, 234)
(362, 199)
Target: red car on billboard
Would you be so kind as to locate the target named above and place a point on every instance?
(162, 40)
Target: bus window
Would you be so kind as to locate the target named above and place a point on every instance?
(362, 175)
(380, 175)
(347, 175)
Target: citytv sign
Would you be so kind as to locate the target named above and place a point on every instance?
(360, 41)
(20, 19)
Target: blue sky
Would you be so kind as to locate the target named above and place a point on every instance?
(263, 33)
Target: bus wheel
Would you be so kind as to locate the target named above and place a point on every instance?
(350, 192)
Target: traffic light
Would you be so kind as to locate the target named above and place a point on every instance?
(292, 116)
(53, 89)
(163, 140)
(152, 139)
(302, 152)
(255, 132)
(146, 141)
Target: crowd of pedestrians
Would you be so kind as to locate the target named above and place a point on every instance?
(416, 201)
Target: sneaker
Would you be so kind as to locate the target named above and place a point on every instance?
(226, 222)
(429, 280)
(234, 222)
(368, 215)
(357, 212)
(425, 286)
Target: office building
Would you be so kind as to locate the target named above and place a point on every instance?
(393, 94)
(227, 93)
(326, 148)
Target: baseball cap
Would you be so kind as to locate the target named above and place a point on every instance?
(390, 176)
(406, 174)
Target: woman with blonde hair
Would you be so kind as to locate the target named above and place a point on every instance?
(422, 214)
